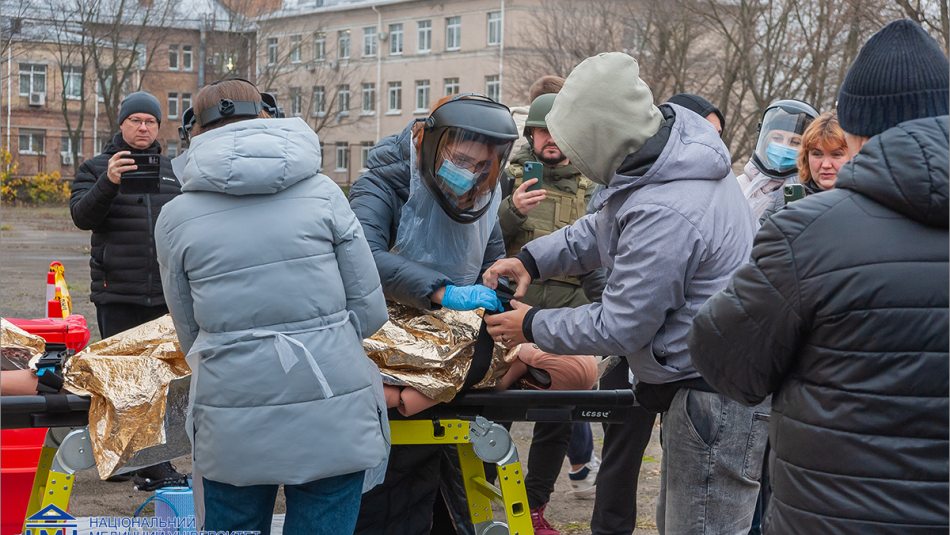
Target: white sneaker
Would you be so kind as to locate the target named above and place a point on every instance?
(584, 481)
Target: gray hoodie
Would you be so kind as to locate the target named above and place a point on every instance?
(671, 235)
(272, 287)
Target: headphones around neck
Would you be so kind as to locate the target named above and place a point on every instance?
(227, 109)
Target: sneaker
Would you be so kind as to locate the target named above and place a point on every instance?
(584, 481)
(540, 525)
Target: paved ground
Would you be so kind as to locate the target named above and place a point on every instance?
(31, 238)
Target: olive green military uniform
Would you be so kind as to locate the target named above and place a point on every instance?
(567, 195)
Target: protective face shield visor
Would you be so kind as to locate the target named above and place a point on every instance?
(463, 172)
(780, 139)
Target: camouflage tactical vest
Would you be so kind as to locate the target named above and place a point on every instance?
(560, 208)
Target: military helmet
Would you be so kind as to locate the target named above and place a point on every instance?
(538, 110)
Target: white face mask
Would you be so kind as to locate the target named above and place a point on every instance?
(178, 165)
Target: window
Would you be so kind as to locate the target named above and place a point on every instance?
(32, 141)
(171, 149)
(451, 86)
(343, 44)
(424, 35)
(185, 101)
(296, 101)
(422, 96)
(453, 33)
(105, 85)
(319, 102)
(172, 105)
(343, 99)
(272, 51)
(494, 28)
(295, 54)
(319, 47)
(369, 41)
(493, 87)
(395, 39)
(186, 63)
(369, 98)
(342, 156)
(173, 57)
(365, 147)
(395, 97)
(66, 145)
(72, 82)
(32, 79)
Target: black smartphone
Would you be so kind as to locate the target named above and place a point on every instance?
(793, 192)
(146, 178)
(533, 170)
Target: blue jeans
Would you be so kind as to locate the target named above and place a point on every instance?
(323, 507)
(580, 450)
(713, 450)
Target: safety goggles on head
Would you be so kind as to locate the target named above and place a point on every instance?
(227, 109)
(465, 144)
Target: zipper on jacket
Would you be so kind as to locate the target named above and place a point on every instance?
(151, 247)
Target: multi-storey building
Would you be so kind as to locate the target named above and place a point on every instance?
(359, 71)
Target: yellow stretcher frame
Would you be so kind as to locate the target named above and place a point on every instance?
(478, 442)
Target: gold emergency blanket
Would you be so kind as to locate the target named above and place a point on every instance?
(139, 388)
(18, 347)
(432, 351)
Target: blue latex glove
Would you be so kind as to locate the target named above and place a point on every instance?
(470, 298)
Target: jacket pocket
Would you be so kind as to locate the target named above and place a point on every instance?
(704, 415)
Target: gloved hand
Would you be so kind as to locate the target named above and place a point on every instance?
(470, 298)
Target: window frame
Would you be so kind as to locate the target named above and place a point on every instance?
(370, 42)
(35, 70)
(272, 50)
(319, 45)
(187, 58)
(396, 39)
(318, 105)
(394, 88)
(423, 92)
(370, 89)
(453, 23)
(424, 31)
(342, 148)
(493, 81)
(173, 53)
(296, 102)
(296, 48)
(172, 99)
(343, 100)
(494, 26)
(69, 73)
(343, 36)
(451, 82)
(32, 135)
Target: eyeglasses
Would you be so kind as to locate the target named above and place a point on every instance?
(150, 123)
(477, 167)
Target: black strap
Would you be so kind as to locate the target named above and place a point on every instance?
(658, 397)
(481, 358)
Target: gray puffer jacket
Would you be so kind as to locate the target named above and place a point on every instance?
(670, 232)
(377, 198)
(272, 287)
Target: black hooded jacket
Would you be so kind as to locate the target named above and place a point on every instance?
(123, 265)
(842, 314)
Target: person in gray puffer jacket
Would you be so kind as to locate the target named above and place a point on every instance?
(272, 286)
(672, 228)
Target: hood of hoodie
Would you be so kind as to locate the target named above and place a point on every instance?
(685, 147)
(253, 157)
(905, 169)
(604, 113)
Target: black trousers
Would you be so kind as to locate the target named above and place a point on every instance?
(114, 318)
(615, 504)
(545, 459)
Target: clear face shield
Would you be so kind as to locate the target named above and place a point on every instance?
(464, 172)
(780, 139)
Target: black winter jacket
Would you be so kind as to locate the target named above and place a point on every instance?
(842, 313)
(377, 198)
(123, 265)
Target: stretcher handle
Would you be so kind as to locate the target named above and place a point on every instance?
(541, 398)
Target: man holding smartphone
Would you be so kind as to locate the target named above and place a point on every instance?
(126, 285)
(550, 193)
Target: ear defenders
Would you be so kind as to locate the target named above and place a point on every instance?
(227, 109)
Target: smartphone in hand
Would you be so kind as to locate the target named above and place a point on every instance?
(146, 178)
(793, 192)
(533, 170)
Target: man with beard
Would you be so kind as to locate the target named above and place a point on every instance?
(531, 211)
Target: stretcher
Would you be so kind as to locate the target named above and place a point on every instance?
(470, 422)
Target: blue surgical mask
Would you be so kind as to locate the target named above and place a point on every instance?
(781, 157)
(458, 179)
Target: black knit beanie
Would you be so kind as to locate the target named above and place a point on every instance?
(699, 105)
(900, 74)
(140, 102)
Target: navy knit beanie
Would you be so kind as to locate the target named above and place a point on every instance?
(698, 104)
(900, 74)
(140, 102)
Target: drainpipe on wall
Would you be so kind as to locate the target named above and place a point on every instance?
(501, 56)
(202, 50)
(9, 89)
(379, 76)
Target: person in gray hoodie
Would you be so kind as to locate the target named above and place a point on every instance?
(272, 287)
(671, 228)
